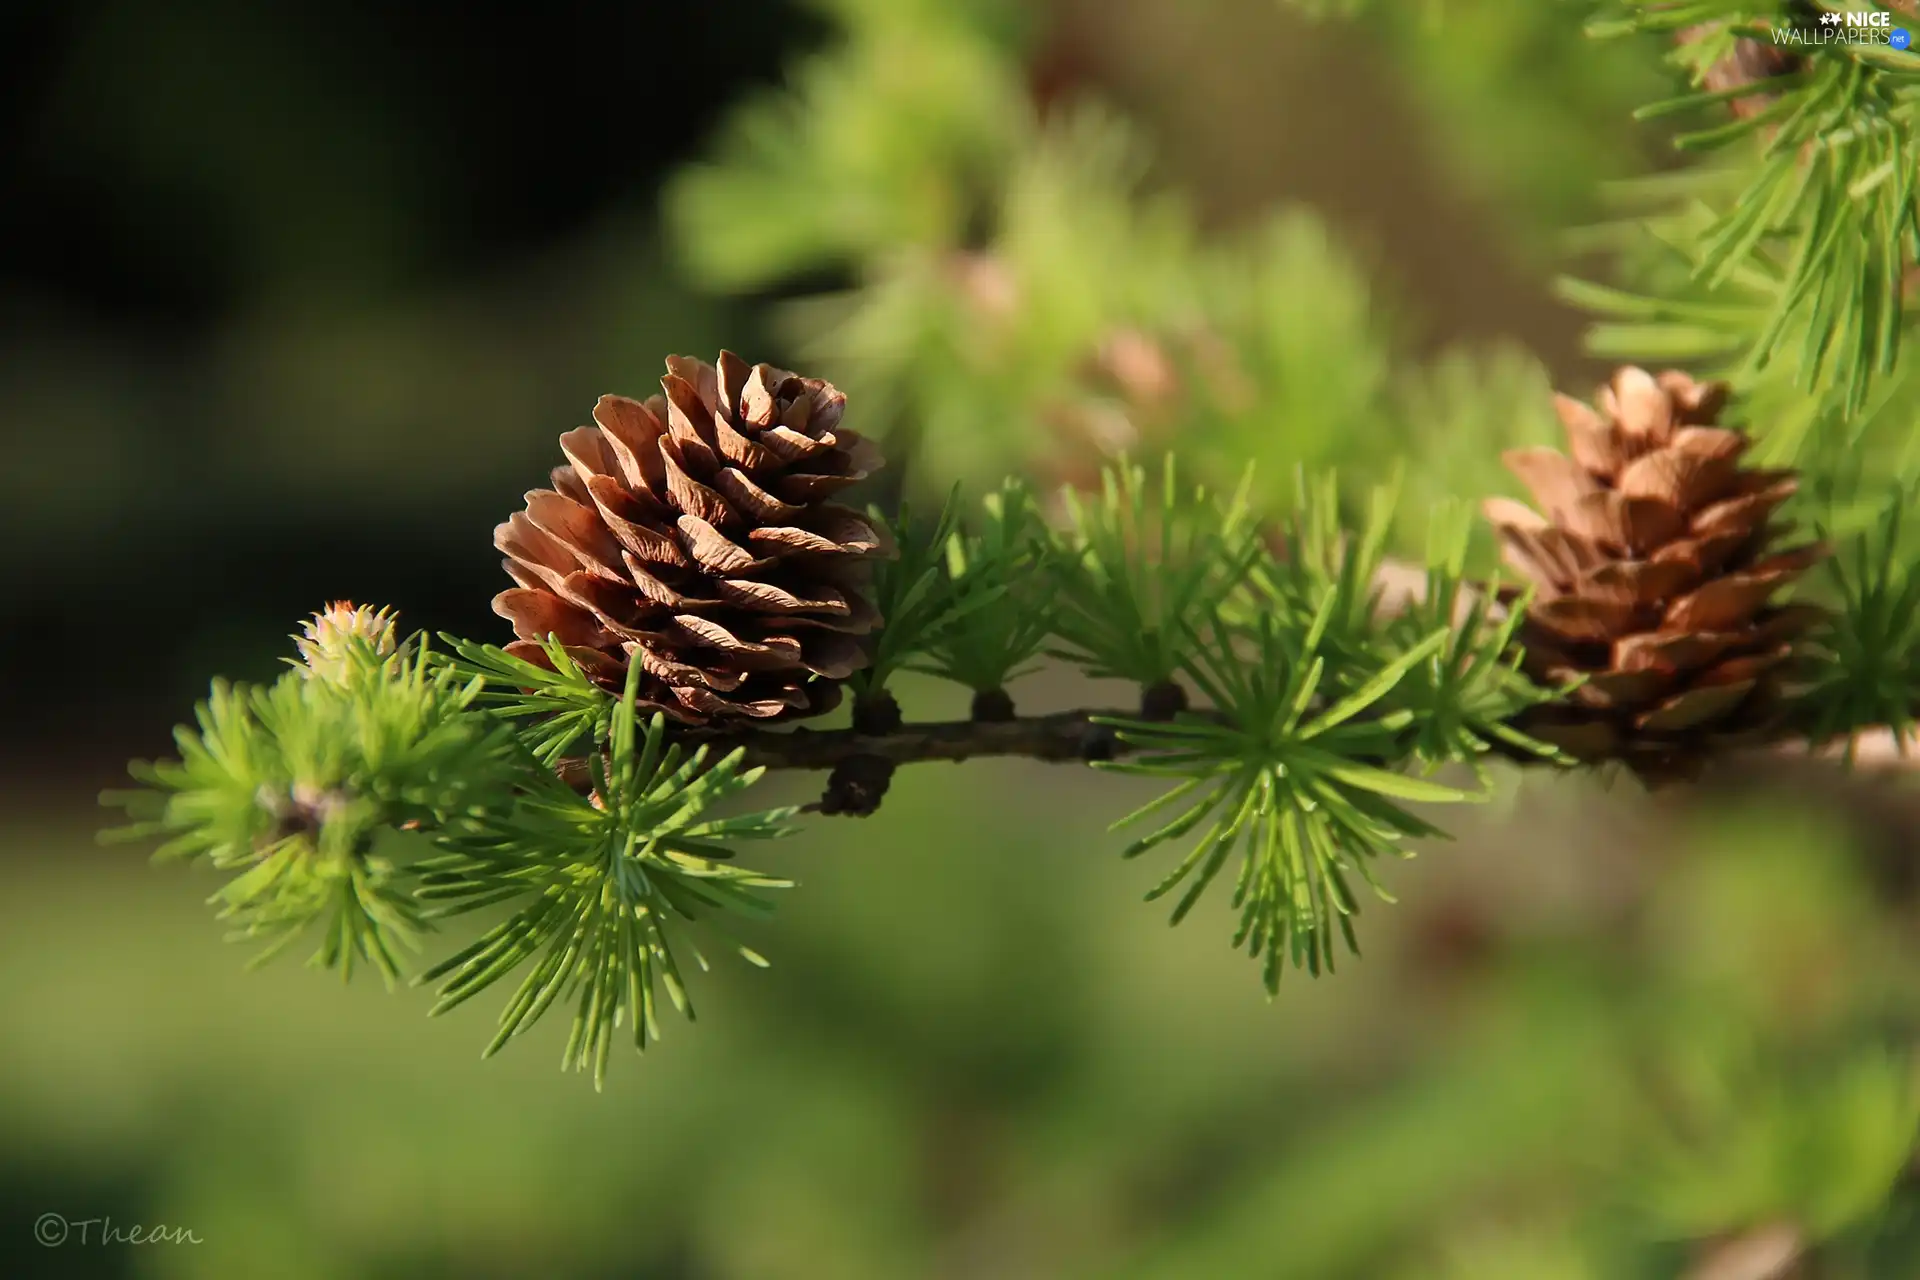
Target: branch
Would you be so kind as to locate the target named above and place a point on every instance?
(862, 762)
(1062, 736)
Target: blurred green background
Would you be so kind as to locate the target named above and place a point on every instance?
(293, 303)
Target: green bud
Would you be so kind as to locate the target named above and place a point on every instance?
(342, 638)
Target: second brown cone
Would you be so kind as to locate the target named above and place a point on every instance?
(1655, 564)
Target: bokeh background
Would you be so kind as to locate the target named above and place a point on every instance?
(293, 303)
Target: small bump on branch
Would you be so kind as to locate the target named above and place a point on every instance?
(856, 787)
(1100, 742)
(992, 706)
(1162, 701)
(876, 714)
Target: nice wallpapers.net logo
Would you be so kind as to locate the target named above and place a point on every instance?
(1846, 28)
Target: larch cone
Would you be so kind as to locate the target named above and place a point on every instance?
(694, 535)
(1655, 566)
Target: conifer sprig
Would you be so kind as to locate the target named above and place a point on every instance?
(1867, 672)
(1826, 219)
(908, 592)
(1140, 567)
(313, 789)
(555, 707)
(602, 881)
(1319, 565)
(1290, 773)
(996, 619)
(1469, 698)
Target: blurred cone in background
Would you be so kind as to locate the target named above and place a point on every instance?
(1750, 63)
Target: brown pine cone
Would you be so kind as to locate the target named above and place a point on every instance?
(1654, 572)
(692, 535)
